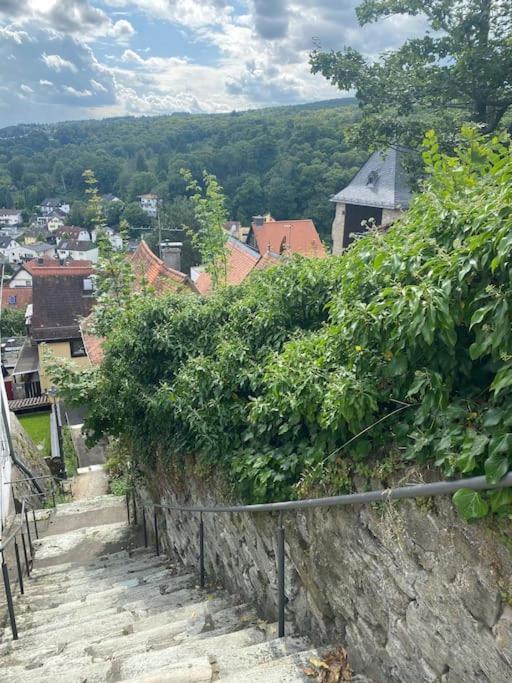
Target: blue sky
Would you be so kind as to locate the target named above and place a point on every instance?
(76, 59)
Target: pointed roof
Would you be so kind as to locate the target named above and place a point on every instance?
(294, 237)
(381, 182)
(151, 269)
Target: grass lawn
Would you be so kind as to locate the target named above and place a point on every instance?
(37, 427)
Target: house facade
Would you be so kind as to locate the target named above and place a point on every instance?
(48, 206)
(77, 250)
(14, 252)
(10, 217)
(149, 203)
(377, 195)
(62, 296)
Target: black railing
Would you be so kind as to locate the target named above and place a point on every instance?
(364, 498)
(21, 532)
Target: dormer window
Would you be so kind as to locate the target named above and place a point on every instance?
(373, 179)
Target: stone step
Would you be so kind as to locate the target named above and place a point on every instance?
(137, 665)
(98, 561)
(198, 670)
(114, 598)
(64, 544)
(172, 634)
(255, 655)
(98, 570)
(287, 669)
(98, 502)
(60, 670)
(113, 624)
(35, 599)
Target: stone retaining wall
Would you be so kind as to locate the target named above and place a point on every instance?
(413, 592)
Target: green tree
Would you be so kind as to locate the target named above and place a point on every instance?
(460, 70)
(210, 212)
(12, 322)
(135, 217)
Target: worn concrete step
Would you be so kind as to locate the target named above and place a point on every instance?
(98, 571)
(229, 663)
(172, 634)
(197, 670)
(59, 670)
(97, 561)
(95, 503)
(136, 665)
(114, 624)
(113, 598)
(287, 669)
(76, 546)
(41, 598)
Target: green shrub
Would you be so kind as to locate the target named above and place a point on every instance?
(402, 343)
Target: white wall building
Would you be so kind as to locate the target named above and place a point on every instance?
(10, 217)
(5, 460)
(15, 252)
(149, 203)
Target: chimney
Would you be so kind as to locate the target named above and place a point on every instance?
(171, 254)
(40, 261)
(258, 220)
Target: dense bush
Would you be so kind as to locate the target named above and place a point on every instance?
(407, 334)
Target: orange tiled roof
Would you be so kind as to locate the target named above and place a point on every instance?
(93, 344)
(242, 260)
(51, 267)
(296, 237)
(147, 266)
(23, 297)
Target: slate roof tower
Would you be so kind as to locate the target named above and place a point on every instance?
(379, 191)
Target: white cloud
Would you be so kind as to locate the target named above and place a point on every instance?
(57, 63)
(8, 33)
(26, 88)
(43, 81)
(98, 86)
(122, 31)
(77, 93)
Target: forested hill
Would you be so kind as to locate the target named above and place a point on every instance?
(287, 160)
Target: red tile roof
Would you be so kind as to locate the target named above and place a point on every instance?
(242, 260)
(93, 344)
(149, 268)
(296, 237)
(51, 267)
(22, 297)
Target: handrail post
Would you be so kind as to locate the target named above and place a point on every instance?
(24, 545)
(157, 540)
(144, 526)
(134, 500)
(28, 535)
(53, 495)
(35, 523)
(281, 597)
(201, 551)
(8, 597)
(18, 566)
(128, 507)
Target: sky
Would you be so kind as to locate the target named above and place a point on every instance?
(80, 59)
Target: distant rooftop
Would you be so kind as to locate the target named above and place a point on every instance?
(381, 182)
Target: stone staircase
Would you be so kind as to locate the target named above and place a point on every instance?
(98, 607)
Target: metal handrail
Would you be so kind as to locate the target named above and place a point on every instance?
(411, 491)
(21, 527)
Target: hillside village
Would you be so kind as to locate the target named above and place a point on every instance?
(255, 340)
(52, 267)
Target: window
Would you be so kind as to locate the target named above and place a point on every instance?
(12, 299)
(88, 285)
(77, 348)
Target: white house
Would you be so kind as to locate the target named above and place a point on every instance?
(21, 278)
(78, 251)
(149, 203)
(10, 217)
(73, 232)
(54, 223)
(15, 252)
(50, 205)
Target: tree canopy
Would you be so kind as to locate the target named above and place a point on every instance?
(461, 70)
(287, 160)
